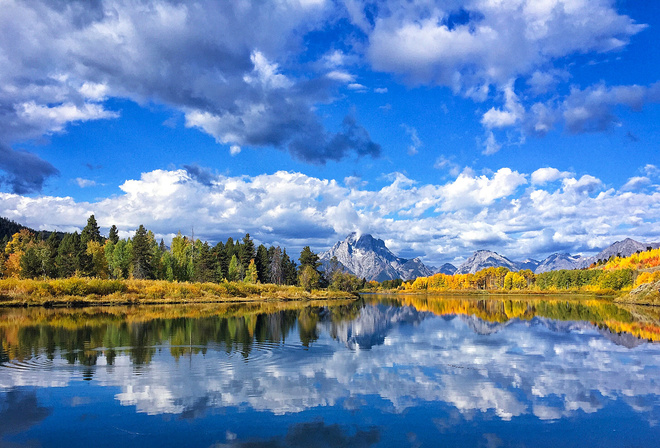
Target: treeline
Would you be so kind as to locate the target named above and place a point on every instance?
(89, 254)
(501, 279)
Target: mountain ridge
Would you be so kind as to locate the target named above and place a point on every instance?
(369, 258)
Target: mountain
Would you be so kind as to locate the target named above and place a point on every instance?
(447, 269)
(483, 259)
(368, 257)
(529, 263)
(624, 248)
(556, 262)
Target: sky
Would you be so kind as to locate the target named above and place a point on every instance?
(527, 127)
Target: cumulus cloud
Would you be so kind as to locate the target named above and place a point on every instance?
(544, 175)
(635, 183)
(502, 211)
(484, 42)
(219, 66)
(479, 44)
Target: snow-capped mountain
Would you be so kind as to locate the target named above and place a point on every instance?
(556, 262)
(529, 263)
(483, 259)
(368, 257)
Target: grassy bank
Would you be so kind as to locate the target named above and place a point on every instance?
(89, 291)
(646, 294)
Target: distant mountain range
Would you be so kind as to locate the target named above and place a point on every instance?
(368, 257)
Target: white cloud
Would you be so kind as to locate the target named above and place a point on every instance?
(84, 183)
(491, 146)
(635, 183)
(415, 142)
(513, 111)
(500, 41)
(341, 76)
(436, 221)
(544, 175)
(356, 86)
(234, 150)
(380, 90)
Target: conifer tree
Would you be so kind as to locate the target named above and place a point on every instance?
(113, 235)
(91, 232)
(246, 252)
(262, 264)
(142, 256)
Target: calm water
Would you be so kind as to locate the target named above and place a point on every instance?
(381, 371)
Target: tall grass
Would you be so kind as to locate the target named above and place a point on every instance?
(91, 290)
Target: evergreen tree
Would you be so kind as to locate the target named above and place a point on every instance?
(52, 244)
(31, 265)
(114, 234)
(67, 255)
(246, 252)
(262, 264)
(308, 258)
(91, 232)
(221, 262)
(289, 270)
(142, 255)
(204, 271)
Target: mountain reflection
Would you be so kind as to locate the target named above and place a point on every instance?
(503, 358)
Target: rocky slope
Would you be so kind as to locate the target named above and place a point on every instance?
(483, 259)
(368, 257)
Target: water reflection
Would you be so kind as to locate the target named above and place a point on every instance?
(468, 360)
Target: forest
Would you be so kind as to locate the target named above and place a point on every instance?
(27, 254)
(616, 274)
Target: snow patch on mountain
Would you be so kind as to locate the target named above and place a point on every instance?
(368, 257)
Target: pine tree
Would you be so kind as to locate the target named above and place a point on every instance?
(263, 264)
(142, 256)
(91, 232)
(113, 235)
(246, 252)
(289, 270)
(67, 255)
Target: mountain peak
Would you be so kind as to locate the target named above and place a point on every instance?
(368, 257)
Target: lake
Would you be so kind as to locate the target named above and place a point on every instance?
(381, 371)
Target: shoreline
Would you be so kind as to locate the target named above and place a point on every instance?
(82, 292)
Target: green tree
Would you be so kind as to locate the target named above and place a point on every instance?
(235, 272)
(113, 235)
(142, 254)
(263, 264)
(91, 232)
(246, 252)
(67, 255)
(308, 278)
(289, 269)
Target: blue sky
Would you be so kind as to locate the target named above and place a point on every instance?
(525, 127)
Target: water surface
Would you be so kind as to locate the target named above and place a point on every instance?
(381, 371)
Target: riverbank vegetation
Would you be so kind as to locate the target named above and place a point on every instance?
(72, 268)
(633, 279)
